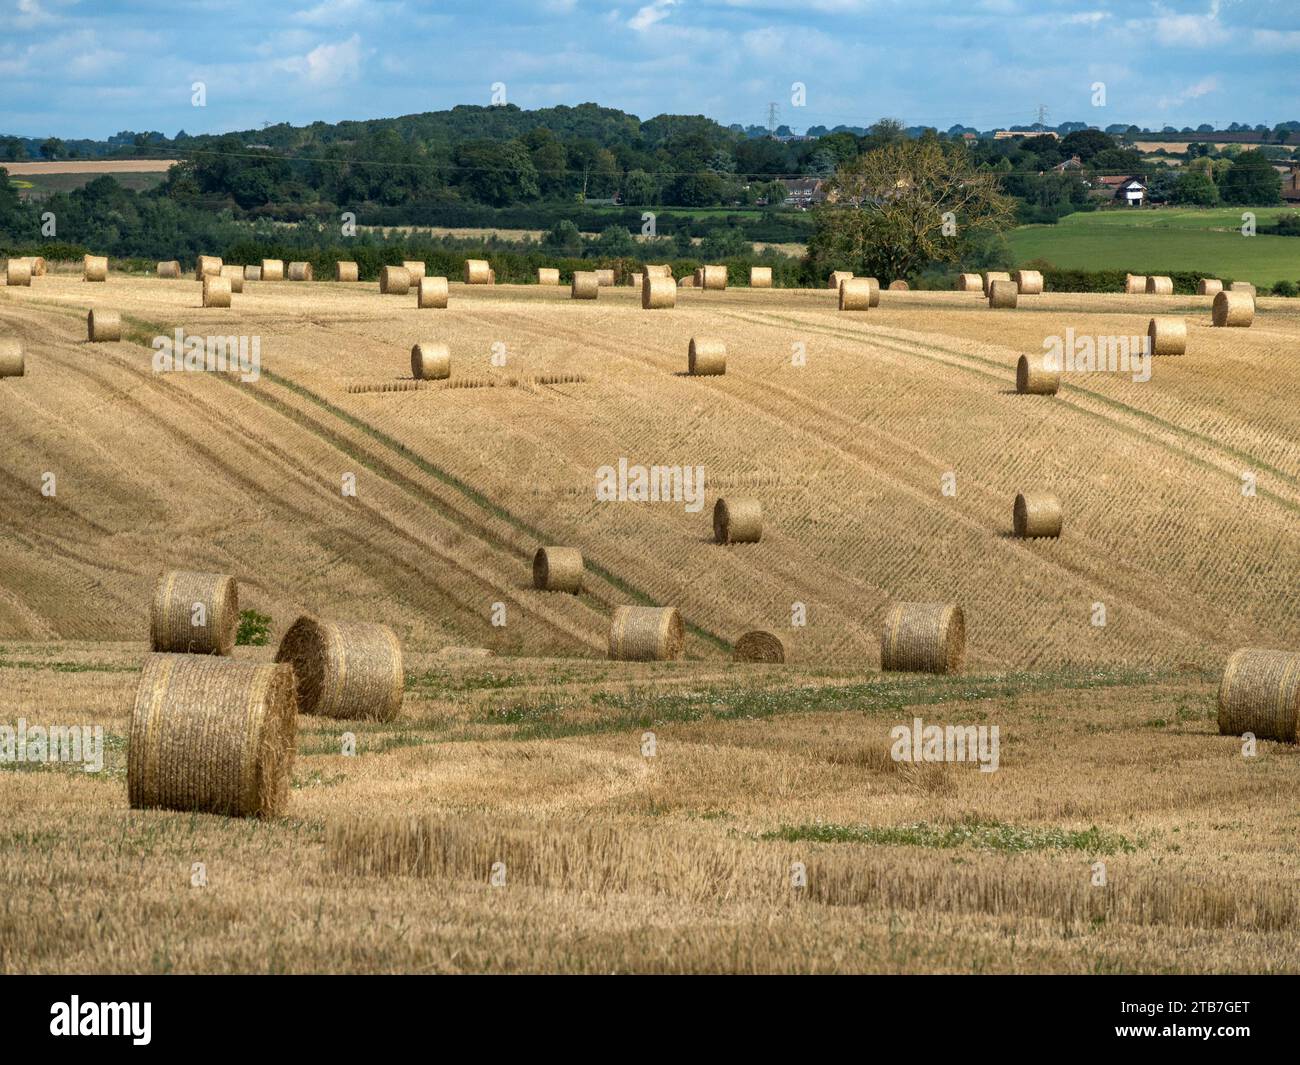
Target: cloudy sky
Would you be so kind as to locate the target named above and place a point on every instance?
(88, 68)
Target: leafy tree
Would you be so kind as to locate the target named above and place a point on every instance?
(494, 173)
(563, 239)
(1196, 189)
(1117, 160)
(1086, 143)
(615, 242)
(52, 148)
(889, 213)
(13, 149)
(1251, 181)
(696, 190)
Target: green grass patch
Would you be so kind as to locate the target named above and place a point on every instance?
(254, 629)
(976, 834)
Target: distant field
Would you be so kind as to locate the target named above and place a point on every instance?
(1167, 239)
(90, 166)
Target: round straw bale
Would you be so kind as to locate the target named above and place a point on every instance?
(430, 362)
(548, 275)
(737, 521)
(492, 276)
(686, 282)
(1160, 286)
(416, 268)
(431, 292)
(216, 291)
(899, 286)
(994, 275)
(194, 613)
(345, 669)
(1260, 693)
(346, 271)
(300, 272)
(11, 357)
(171, 268)
(394, 281)
(94, 268)
(1029, 282)
(18, 274)
(760, 277)
(659, 270)
(605, 278)
(923, 638)
(103, 325)
(585, 286)
(759, 646)
(635, 280)
(1242, 286)
(646, 634)
(658, 293)
(1235, 309)
(1003, 295)
(558, 569)
(38, 265)
(212, 736)
(1035, 378)
(855, 294)
(235, 275)
(1134, 283)
(1209, 286)
(706, 357)
(837, 276)
(1036, 514)
(1167, 336)
(714, 278)
(970, 283)
(205, 265)
(477, 272)
(272, 270)
(252, 273)
(875, 289)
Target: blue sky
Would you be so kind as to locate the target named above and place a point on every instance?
(88, 68)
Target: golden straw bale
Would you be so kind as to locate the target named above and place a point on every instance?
(212, 736)
(991, 276)
(477, 272)
(923, 638)
(169, 269)
(216, 291)
(1003, 295)
(1036, 514)
(760, 277)
(431, 293)
(838, 276)
(659, 270)
(686, 282)
(345, 270)
(416, 268)
(194, 613)
(759, 646)
(38, 265)
(272, 270)
(706, 357)
(585, 286)
(394, 281)
(1167, 336)
(18, 274)
(300, 272)
(235, 275)
(635, 280)
(605, 278)
(558, 569)
(1242, 286)
(658, 293)
(1029, 282)
(430, 362)
(970, 283)
(345, 669)
(12, 362)
(646, 634)
(206, 265)
(1260, 693)
(252, 273)
(855, 294)
(1135, 283)
(103, 326)
(1233, 309)
(1209, 286)
(94, 268)
(1160, 286)
(899, 286)
(738, 521)
(1035, 378)
(548, 275)
(714, 278)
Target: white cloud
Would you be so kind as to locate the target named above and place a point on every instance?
(1193, 92)
(328, 64)
(1194, 31)
(653, 12)
(330, 11)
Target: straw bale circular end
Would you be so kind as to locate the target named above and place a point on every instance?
(658, 293)
(477, 272)
(169, 269)
(416, 268)
(272, 270)
(646, 634)
(345, 669)
(636, 280)
(103, 326)
(430, 362)
(923, 638)
(300, 271)
(1260, 693)
(212, 736)
(760, 277)
(558, 569)
(738, 521)
(345, 270)
(94, 268)
(1003, 295)
(206, 265)
(899, 286)
(585, 286)
(252, 273)
(970, 283)
(991, 276)
(1035, 378)
(1233, 309)
(431, 292)
(548, 275)
(38, 264)
(235, 275)
(1167, 336)
(855, 294)
(18, 274)
(838, 276)
(12, 360)
(706, 357)
(1160, 286)
(759, 646)
(216, 291)
(394, 281)
(194, 613)
(1209, 286)
(714, 278)
(1037, 515)
(686, 282)
(1135, 283)
(1029, 282)
(604, 278)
